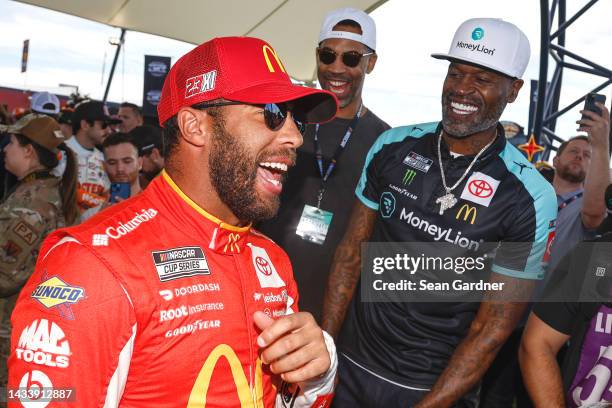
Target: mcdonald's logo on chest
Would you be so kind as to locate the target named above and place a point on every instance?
(468, 213)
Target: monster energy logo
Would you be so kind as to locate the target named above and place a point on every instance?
(409, 177)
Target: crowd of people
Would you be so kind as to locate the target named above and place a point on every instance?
(220, 258)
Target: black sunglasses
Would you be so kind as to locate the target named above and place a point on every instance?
(275, 114)
(350, 58)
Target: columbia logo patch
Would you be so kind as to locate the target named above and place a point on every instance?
(180, 262)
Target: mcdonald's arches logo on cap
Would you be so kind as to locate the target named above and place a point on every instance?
(267, 50)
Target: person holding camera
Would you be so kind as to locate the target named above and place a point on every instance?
(122, 164)
(582, 168)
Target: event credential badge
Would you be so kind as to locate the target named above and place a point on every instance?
(314, 224)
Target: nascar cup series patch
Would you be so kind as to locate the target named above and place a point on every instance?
(176, 263)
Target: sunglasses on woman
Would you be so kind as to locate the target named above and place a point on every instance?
(275, 114)
(350, 58)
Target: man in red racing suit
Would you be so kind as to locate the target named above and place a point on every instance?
(156, 302)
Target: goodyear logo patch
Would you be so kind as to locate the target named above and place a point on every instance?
(55, 292)
(181, 262)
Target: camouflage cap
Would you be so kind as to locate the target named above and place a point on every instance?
(41, 129)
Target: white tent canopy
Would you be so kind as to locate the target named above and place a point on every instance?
(290, 26)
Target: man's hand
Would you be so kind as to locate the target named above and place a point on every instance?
(597, 178)
(596, 126)
(293, 346)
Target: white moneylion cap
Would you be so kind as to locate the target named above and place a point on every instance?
(368, 27)
(490, 43)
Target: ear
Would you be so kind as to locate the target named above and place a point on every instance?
(516, 86)
(195, 126)
(371, 63)
(555, 161)
(30, 152)
(105, 166)
(139, 163)
(84, 124)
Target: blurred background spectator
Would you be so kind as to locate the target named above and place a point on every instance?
(121, 162)
(38, 204)
(65, 122)
(45, 103)
(90, 126)
(130, 116)
(151, 149)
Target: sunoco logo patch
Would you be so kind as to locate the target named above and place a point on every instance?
(181, 262)
(55, 292)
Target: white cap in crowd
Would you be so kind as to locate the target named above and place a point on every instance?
(45, 102)
(490, 43)
(368, 27)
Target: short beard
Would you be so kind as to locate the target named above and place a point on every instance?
(233, 173)
(461, 130)
(566, 175)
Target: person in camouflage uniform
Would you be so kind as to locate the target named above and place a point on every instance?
(39, 204)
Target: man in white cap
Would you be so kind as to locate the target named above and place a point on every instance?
(456, 181)
(319, 192)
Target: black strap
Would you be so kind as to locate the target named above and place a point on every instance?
(319, 153)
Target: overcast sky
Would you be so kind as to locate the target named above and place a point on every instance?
(404, 87)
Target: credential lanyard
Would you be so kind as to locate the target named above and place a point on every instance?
(334, 160)
(570, 200)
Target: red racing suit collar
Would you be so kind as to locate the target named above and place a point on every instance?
(224, 238)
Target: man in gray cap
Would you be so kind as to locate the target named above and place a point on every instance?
(319, 192)
(455, 181)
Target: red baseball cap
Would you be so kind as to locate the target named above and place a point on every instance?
(241, 69)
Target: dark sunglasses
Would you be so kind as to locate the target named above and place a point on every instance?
(350, 58)
(275, 114)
